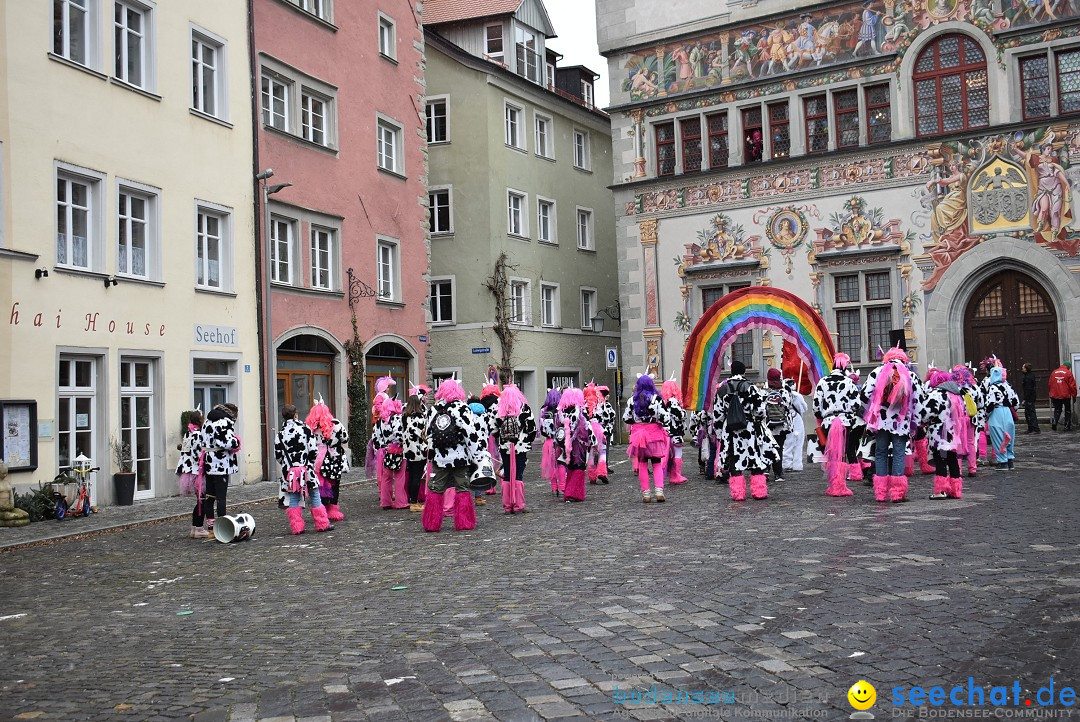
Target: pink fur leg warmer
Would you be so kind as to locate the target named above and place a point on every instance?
(433, 512)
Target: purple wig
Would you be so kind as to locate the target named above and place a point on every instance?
(962, 375)
(644, 392)
(552, 401)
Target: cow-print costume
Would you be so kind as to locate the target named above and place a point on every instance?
(522, 443)
(752, 448)
(1001, 395)
(837, 397)
(221, 444)
(656, 413)
(675, 422)
(547, 423)
(335, 464)
(576, 419)
(190, 450)
(472, 433)
(296, 446)
(937, 415)
(891, 421)
(605, 414)
(389, 431)
(416, 445)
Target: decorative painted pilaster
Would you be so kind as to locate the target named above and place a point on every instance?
(725, 68)
(638, 117)
(652, 333)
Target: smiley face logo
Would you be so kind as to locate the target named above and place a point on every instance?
(862, 695)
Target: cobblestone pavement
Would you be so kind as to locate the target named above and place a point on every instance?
(778, 605)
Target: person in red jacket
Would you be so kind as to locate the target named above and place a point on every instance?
(1062, 394)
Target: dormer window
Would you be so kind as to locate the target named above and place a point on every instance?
(493, 42)
(528, 59)
(587, 92)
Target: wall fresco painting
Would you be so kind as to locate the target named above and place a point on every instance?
(819, 38)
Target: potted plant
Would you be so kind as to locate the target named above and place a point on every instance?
(124, 477)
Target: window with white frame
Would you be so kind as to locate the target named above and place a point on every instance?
(440, 213)
(442, 300)
(293, 102)
(77, 216)
(388, 146)
(74, 36)
(863, 307)
(588, 307)
(282, 240)
(275, 101)
(585, 229)
(527, 54)
(77, 421)
(318, 8)
(519, 301)
(493, 42)
(137, 232)
(514, 137)
(545, 220)
(544, 138)
(587, 92)
(549, 304)
(386, 267)
(208, 74)
(581, 150)
(550, 67)
(213, 248)
(387, 37)
(133, 43)
(437, 129)
(515, 213)
(323, 253)
(313, 121)
(138, 419)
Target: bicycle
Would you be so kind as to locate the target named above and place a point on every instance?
(81, 504)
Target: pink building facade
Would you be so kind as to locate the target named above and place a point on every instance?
(338, 85)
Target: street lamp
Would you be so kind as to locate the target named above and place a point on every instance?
(614, 312)
(271, 359)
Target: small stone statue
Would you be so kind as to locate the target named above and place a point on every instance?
(9, 515)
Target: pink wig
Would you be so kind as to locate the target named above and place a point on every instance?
(670, 390)
(383, 383)
(419, 390)
(511, 401)
(962, 375)
(320, 420)
(572, 397)
(898, 377)
(489, 389)
(895, 354)
(450, 390)
(841, 361)
(592, 397)
(390, 407)
(938, 377)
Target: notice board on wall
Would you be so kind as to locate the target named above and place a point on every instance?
(18, 423)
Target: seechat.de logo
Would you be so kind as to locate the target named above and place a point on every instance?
(862, 696)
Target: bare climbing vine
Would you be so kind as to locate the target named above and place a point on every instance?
(499, 284)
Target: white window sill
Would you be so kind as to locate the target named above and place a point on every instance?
(214, 291)
(438, 142)
(443, 324)
(518, 148)
(587, 250)
(76, 271)
(78, 66)
(389, 303)
(442, 234)
(212, 118)
(542, 242)
(305, 290)
(310, 15)
(393, 173)
(22, 255)
(548, 158)
(387, 58)
(519, 237)
(583, 170)
(138, 279)
(325, 148)
(135, 88)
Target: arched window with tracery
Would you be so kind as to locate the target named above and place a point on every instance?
(951, 91)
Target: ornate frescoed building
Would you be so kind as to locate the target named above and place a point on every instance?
(905, 166)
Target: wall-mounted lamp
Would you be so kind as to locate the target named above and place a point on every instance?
(110, 281)
(614, 312)
(41, 273)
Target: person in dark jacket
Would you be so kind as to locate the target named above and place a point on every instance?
(1029, 400)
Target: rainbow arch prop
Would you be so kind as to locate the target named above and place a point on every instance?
(745, 309)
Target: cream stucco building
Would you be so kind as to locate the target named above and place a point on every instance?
(127, 272)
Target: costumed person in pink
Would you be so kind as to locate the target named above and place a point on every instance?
(415, 445)
(593, 398)
(296, 449)
(455, 437)
(606, 415)
(649, 441)
(948, 429)
(892, 406)
(836, 408)
(489, 399)
(384, 391)
(675, 426)
(550, 470)
(965, 379)
(745, 444)
(331, 462)
(389, 440)
(515, 429)
(574, 437)
(189, 472)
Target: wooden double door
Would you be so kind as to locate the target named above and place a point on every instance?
(1013, 317)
